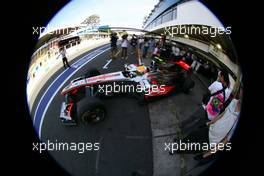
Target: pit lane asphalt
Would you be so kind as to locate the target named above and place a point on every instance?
(125, 136)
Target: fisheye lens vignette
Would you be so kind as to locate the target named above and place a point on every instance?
(177, 76)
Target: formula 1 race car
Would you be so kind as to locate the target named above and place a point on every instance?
(83, 95)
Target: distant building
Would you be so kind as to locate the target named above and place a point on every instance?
(186, 21)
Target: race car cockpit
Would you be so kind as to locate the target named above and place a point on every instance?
(129, 74)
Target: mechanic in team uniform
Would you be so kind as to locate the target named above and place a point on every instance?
(124, 45)
(133, 43)
(113, 41)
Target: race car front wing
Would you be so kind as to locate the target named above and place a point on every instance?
(65, 114)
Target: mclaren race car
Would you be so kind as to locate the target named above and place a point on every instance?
(83, 95)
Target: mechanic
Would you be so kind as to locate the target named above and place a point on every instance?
(183, 52)
(175, 50)
(140, 41)
(196, 64)
(151, 46)
(145, 47)
(209, 71)
(162, 40)
(156, 51)
(188, 58)
(124, 45)
(133, 43)
(113, 41)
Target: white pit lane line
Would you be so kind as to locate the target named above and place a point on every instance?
(53, 83)
(48, 104)
(108, 62)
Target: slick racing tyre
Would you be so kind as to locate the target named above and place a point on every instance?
(188, 85)
(91, 110)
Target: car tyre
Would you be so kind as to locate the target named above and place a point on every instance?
(91, 110)
(188, 85)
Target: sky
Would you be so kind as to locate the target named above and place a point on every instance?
(116, 13)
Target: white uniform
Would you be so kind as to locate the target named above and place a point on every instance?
(216, 86)
(124, 43)
(221, 127)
